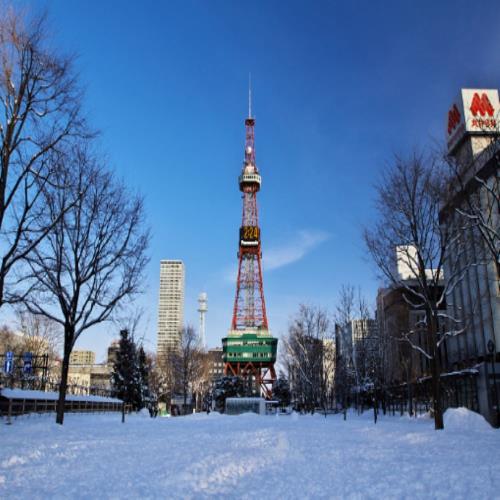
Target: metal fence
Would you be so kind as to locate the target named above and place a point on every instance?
(19, 406)
(31, 373)
(416, 398)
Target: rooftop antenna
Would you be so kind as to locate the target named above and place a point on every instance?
(249, 95)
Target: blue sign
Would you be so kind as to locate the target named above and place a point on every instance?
(8, 365)
(27, 363)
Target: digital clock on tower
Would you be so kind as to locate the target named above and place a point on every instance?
(250, 233)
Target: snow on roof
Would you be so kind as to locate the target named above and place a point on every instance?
(52, 396)
(457, 373)
(245, 400)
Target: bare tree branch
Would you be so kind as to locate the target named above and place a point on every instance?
(93, 257)
(411, 249)
(40, 100)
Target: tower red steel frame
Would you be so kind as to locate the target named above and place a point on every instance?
(249, 350)
(249, 304)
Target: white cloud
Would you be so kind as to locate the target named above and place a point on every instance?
(301, 244)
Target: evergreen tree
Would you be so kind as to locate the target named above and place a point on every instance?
(227, 387)
(281, 391)
(143, 367)
(126, 377)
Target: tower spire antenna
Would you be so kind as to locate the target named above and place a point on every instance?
(249, 95)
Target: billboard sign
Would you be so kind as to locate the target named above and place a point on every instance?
(8, 365)
(474, 112)
(27, 363)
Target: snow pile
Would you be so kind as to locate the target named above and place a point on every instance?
(462, 419)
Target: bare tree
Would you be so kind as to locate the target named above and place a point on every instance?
(202, 384)
(9, 341)
(162, 379)
(188, 363)
(408, 233)
(345, 376)
(389, 352)
(309, 358)
(363, 344)
(355, 345)
(93, 257)
(41, 335)
(345, 310)
(129, 317)
(40, 104)
(477, 198)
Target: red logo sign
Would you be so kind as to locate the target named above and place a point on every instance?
(481, 105)
(453, 118)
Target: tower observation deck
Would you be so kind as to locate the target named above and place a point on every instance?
(249, 350)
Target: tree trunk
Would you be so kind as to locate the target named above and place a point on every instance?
(62, 389)
(2, 281)
(64, 376)
(436, 374)
(436, 395)
(410, 400)
(184, 394)
(409, 388)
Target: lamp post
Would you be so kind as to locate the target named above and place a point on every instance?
(491, 350)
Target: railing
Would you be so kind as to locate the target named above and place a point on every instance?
(16, 407)
(457, 390)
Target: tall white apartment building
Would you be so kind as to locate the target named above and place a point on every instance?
(171, 305)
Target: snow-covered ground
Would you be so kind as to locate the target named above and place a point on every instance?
(247, 456)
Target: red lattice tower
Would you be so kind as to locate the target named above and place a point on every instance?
(249, 351)
(249, 304)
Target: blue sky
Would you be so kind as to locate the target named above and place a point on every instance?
(338, 88)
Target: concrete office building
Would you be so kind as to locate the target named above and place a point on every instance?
(216, 364)
(355, 348)
(170, 305)
(113, 350)
(473, 137)
(82, 358)
(87, 377)
(470, 359)
(396, 316)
